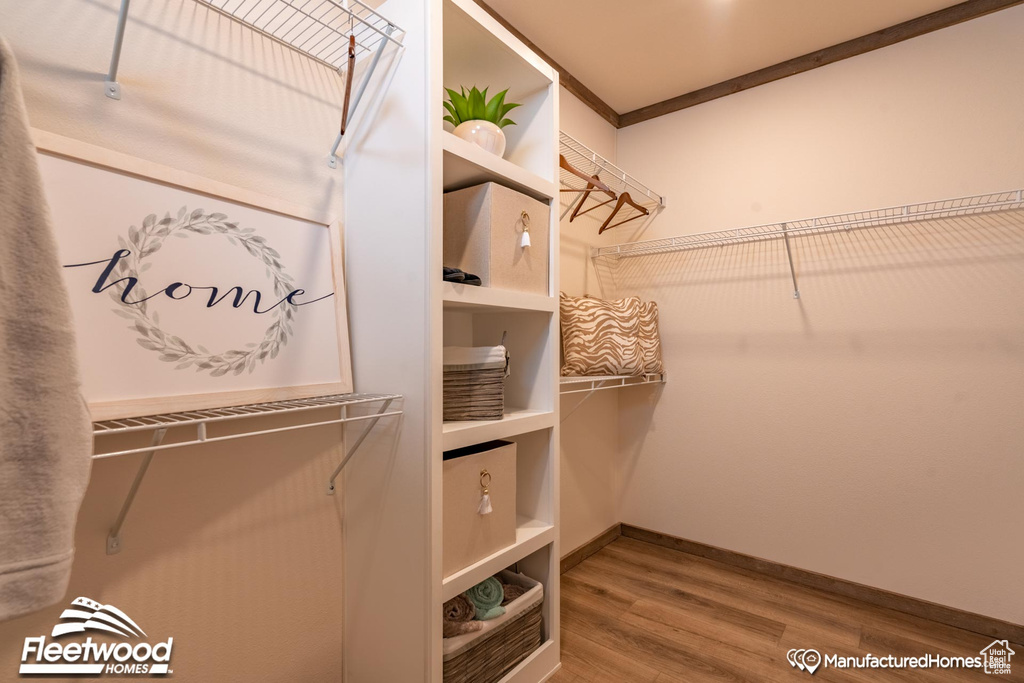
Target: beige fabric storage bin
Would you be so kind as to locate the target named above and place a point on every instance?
(468, 535)
(483, 231)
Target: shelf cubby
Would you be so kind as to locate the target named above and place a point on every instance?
(531, 347)
(480, 52)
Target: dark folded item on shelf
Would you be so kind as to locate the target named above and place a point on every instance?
(461, 276)
(453, 274)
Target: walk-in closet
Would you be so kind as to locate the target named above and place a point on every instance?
(506, 341)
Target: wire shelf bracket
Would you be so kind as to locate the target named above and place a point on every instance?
(200, 419)
(590, 162)
(589, 385)
(318, 29)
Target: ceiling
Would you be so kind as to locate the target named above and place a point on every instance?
(633, 54)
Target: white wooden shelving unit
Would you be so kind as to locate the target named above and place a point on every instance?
(395, 180)
(478, 51)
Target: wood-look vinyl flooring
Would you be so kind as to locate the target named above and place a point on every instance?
(640, 612)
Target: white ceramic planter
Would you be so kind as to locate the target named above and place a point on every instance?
(483, 134)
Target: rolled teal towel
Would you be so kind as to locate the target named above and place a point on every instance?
(486, 597)
(492, 613)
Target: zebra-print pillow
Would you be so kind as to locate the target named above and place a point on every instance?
(650, 339)
(618, 337)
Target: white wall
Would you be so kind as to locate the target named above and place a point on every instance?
(590, 481)
(388, 483)
(871, 430)
(233, 549)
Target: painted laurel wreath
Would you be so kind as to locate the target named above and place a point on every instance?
(145, 241)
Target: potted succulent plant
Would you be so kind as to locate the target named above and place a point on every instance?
(479, 120)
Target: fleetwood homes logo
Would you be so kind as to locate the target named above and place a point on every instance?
(40, 657)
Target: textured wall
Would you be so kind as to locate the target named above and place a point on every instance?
(232, 549)
(871, 430)
(590, 482)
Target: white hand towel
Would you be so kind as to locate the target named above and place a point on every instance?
(45, 435)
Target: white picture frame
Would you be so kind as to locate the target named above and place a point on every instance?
(162, 371)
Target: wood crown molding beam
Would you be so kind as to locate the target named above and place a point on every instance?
(950, 16)
(943, 18)
(566, 79)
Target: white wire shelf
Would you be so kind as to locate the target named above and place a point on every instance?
(587, 384)
(318, 29)
(584, 159)
(200, 419)
(591, 384)
(910, 213)
(183, 422)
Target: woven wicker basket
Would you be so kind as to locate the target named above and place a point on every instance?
(486, 656)
(476, 391)
(474, 394)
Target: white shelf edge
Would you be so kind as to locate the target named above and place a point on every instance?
(201, 418)
(490, 167)
(466, 433)
(541, 665)
(458, 296)
(531, 536)
(588, 384)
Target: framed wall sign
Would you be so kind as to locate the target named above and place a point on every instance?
(188, 293)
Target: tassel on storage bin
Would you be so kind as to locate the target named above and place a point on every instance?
(474, 382)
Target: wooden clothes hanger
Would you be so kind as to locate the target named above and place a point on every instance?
(590, 188)
(593, 184)
(624, 198)
(348, 80)
(564, 163)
